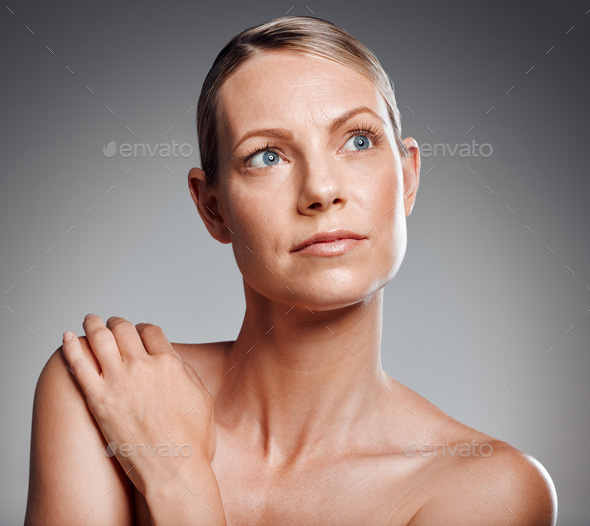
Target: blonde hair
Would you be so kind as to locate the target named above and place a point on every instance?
(295, 33)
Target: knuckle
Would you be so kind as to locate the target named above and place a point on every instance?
(167, 360)
(148, 329)
(167, 357)
(77, 366)
(103, 406)
(98, 332)
(119, 324)
(138, 364)
(108, 399)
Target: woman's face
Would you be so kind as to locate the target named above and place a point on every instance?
(326, 160)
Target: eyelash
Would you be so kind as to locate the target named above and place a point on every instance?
(366, 129)
(359, 129)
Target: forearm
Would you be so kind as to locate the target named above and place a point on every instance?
(190, 497)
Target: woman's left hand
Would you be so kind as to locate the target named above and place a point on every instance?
(153, 409)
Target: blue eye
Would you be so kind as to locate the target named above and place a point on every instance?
(358, 142)
(268, 158)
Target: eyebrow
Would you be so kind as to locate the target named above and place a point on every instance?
(281, 133)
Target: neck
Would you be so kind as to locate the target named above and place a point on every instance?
(299, 382)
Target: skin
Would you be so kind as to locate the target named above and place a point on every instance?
(308, 428)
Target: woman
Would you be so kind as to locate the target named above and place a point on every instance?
(305, 173)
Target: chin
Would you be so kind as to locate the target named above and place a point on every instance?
(327, 294)
(311, 287)
(343, 295)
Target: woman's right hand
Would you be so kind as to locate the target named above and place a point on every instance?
(146, 401)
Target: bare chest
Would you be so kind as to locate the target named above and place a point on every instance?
(354, 492)
(374, 490)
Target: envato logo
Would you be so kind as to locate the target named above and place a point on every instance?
(142, 149)
(464, 149)
(160, 450)
(464, 450)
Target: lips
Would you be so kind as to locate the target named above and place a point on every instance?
(328, 237)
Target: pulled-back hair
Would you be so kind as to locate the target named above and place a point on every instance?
(294, 33)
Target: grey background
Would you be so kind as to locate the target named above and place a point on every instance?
(497, 268)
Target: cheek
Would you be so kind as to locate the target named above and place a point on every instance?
(254, 220)
(261, 239)
(383, 197)
(376, 181)
(387, 213)
(395, 226)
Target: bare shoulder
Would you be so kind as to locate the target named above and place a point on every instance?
(70, 478)
(476, 478)
(507, 486)
(472, 477)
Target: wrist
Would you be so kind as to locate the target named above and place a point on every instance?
(186, 494)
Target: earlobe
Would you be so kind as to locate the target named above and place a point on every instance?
(205, 198)
(411, 169)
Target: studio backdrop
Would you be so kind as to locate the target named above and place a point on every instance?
(488, 316)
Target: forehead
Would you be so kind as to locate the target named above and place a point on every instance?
(292, 89)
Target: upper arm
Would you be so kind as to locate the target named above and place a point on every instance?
(71, 480)
(508, 487)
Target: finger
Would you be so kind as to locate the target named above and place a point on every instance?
(103, 343)
(154, 339)
(126, 336)
(84, 371)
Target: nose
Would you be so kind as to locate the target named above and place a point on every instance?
(322, 186)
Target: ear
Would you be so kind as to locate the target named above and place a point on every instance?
(205, 197)
(411, 169)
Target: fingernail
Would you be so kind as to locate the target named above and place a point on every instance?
(68, 335)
